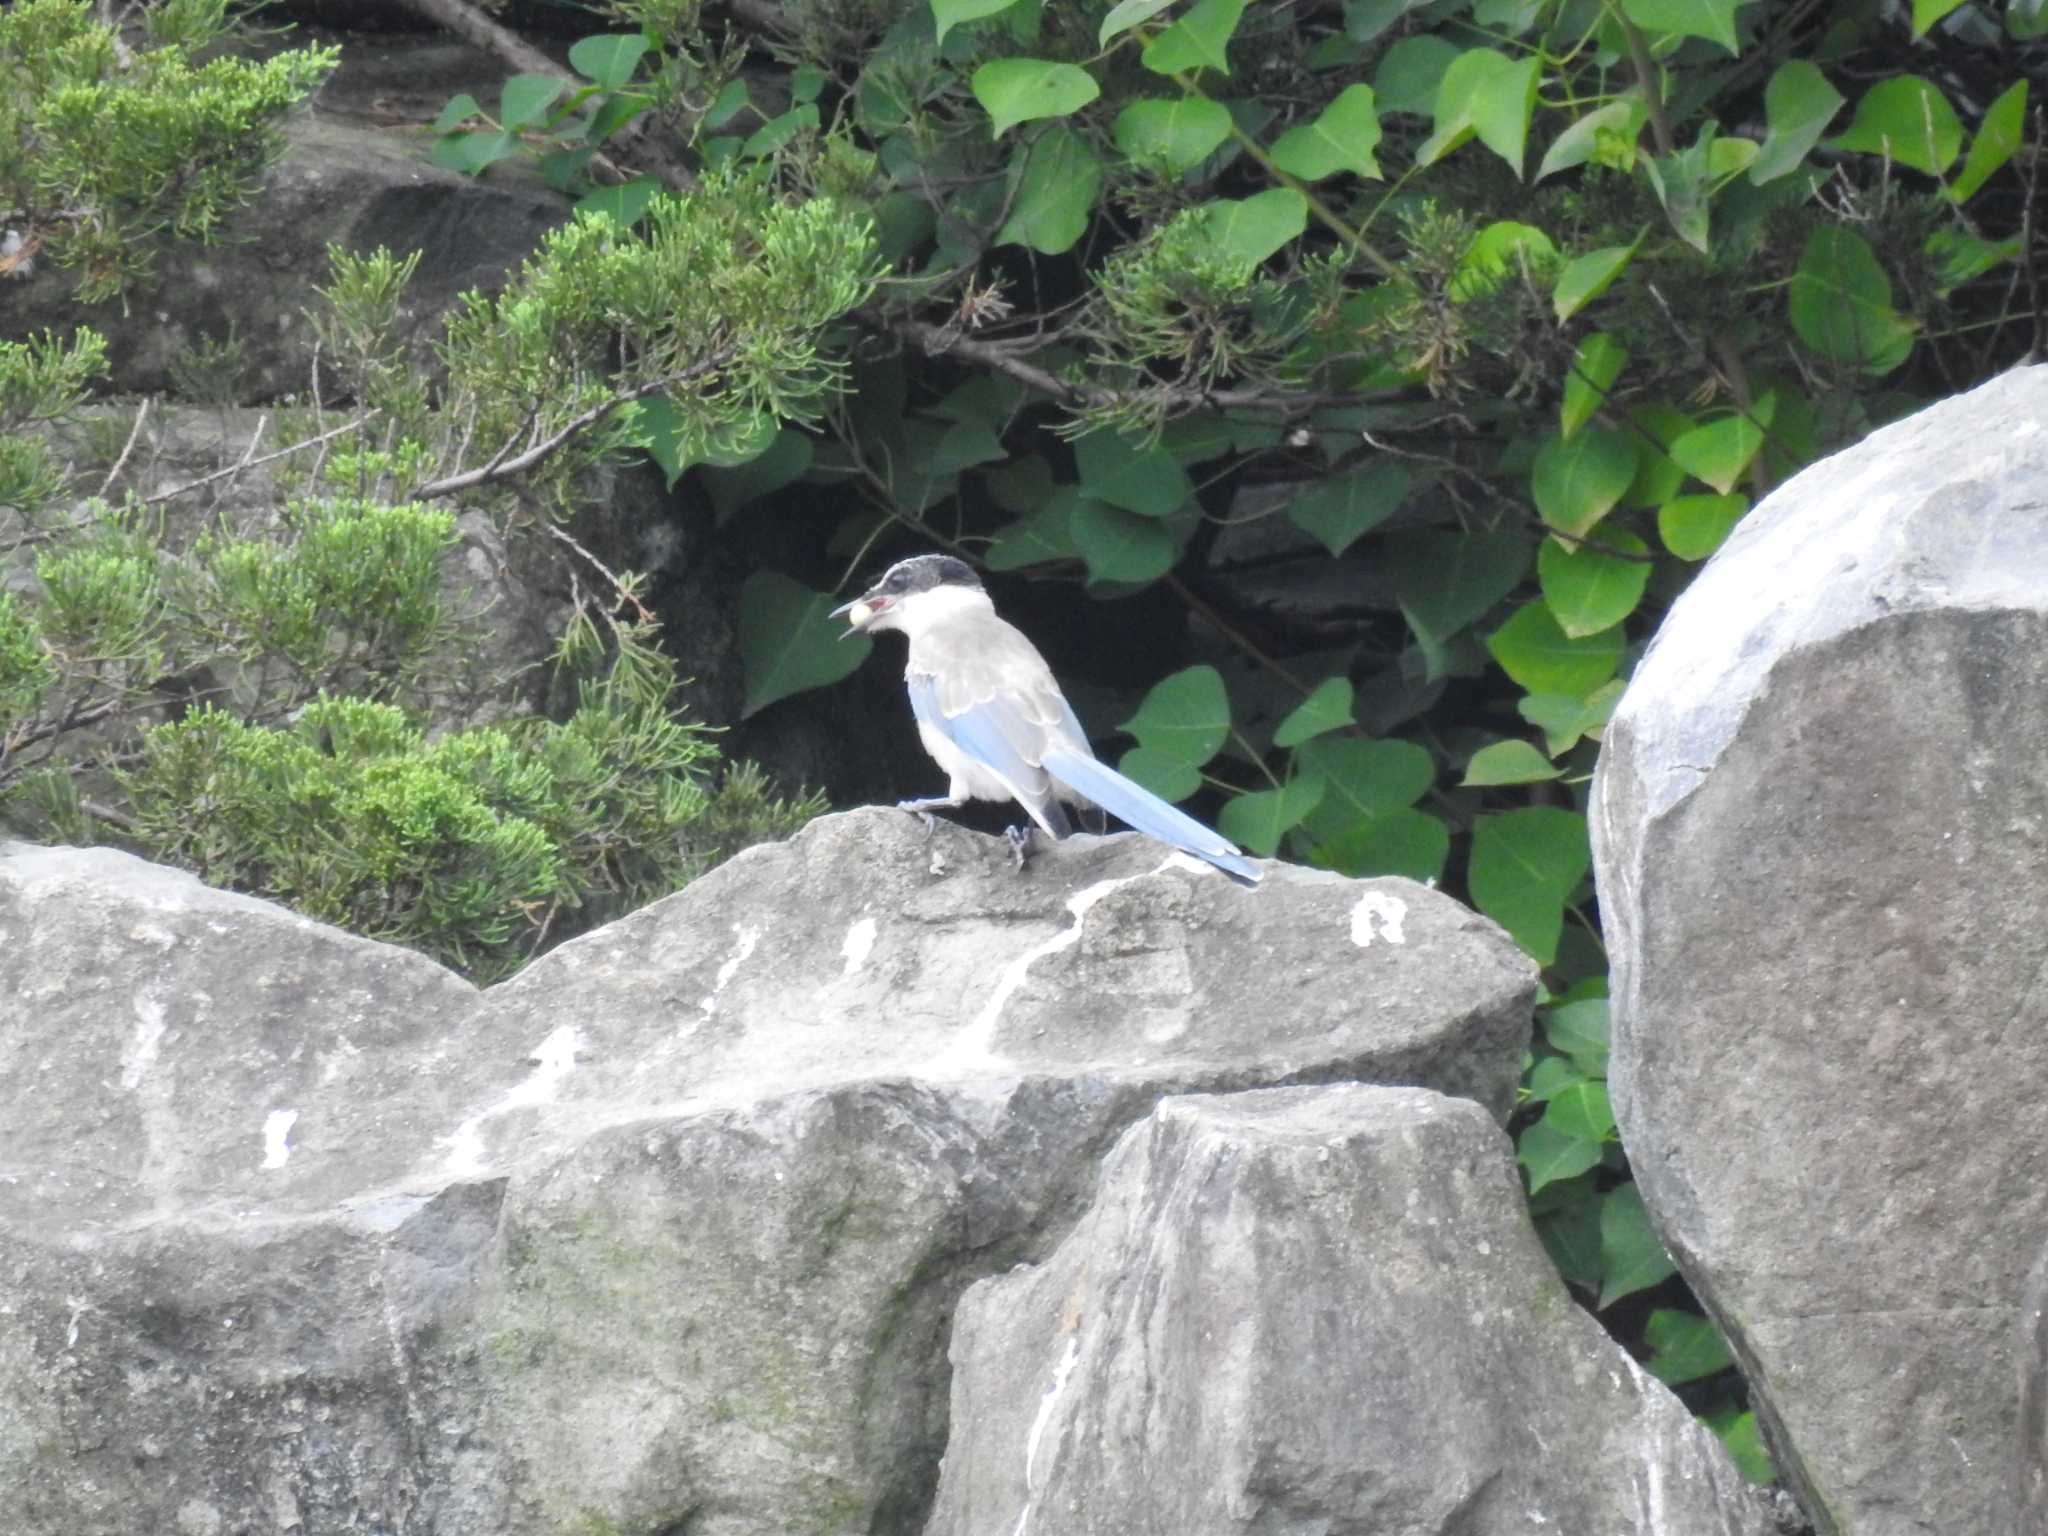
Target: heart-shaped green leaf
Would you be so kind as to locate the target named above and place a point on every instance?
(1184, 716)
(608, 60)
(1998, 139)
(1577, 481)
(1120, 546)
(1253, 228)
(1055, 193)
(1199, 40)
(1338, 510)
(1178, 134)
(1799, 103)
(1533, 649)
(1712, 19)
(1327, 708)
(1693, 527)
(1014, 91)
(1595, 366)
(949, 14)
(1257, 821)
(1341, 137)
(1633, 1258)
(1508, 762)
(1593, 587)
(1586, 277)
(524, 100)
(1143, 479)
(1525, 865)
(788, 643)
(1905, 119)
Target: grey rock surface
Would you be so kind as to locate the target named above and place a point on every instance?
(299, 1232)
(1820, 832)
(1313, 1309)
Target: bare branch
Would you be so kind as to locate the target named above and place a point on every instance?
(602, 569)
(941, 341)
(108, 814)
(501, 468)
(249, 463)
(938, 341)
(512, 50)
(503, 44)
(134, 434)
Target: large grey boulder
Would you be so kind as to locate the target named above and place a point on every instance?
(1820, 832)
(298, 1232)
(1313, 1309)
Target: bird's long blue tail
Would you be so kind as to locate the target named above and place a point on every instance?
(1138, 807)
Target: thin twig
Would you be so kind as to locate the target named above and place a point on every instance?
(1233, 634)
(2037, 348)
(1647, 78)
(938, 341)
(134, 434)
(501, 468)
(602, 569)
(108, 814)
(249, 463)
(29, 736)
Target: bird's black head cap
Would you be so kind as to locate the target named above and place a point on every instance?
(920, 573)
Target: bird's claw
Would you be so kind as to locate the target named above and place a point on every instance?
(1020, 843)
(917, 808)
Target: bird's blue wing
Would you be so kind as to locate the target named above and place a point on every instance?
(992, 733)
(1001, 735)
(1138, 807)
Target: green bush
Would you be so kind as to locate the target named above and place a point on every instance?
(475, 847)
(107, 149)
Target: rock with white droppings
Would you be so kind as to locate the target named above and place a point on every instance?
(667, 1230)
(1312, 1309)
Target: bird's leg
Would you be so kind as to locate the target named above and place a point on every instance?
(925, 807)
(1020, 843)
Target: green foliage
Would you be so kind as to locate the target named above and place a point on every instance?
(271, 694)
(715, 303)
(41, 380)
(104, 152)
(476, 846)
(337, 581)
(26, 670)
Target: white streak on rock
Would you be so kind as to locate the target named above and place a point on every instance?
(1045, 1407)
(277, 1125)
(859, 944)
(973, 1047)
(142, 1045)
(1390, 911)
(554, 1058)
(747, 936)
